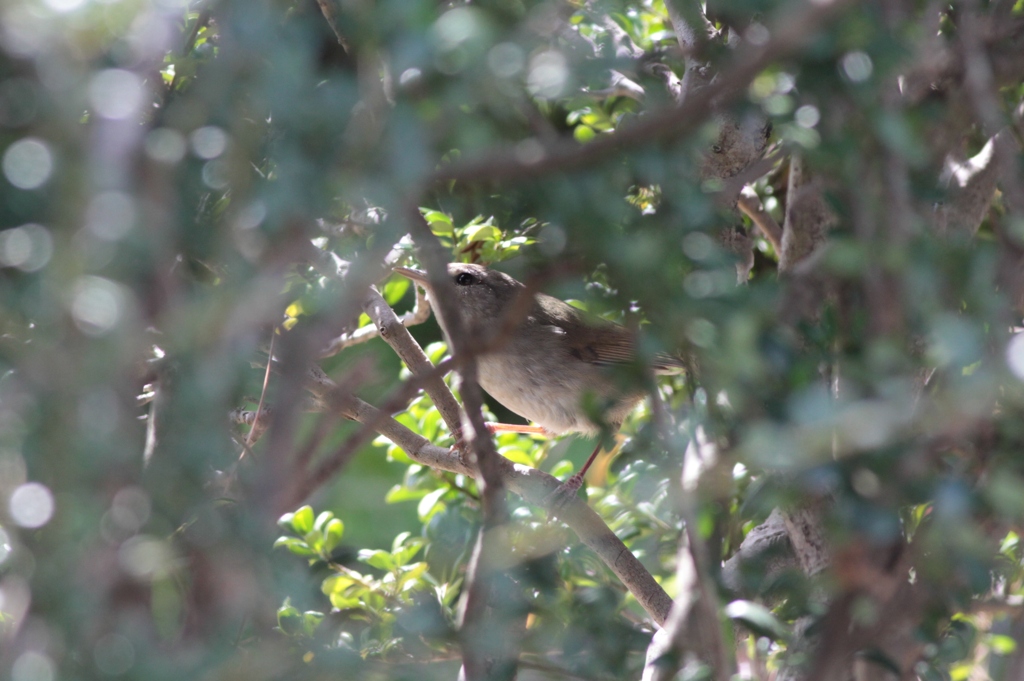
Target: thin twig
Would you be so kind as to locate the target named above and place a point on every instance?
(327, 9)
(251, 438)
(419, 314)
(734, 185)
(396, 335)
(750, 203)
(331, 464)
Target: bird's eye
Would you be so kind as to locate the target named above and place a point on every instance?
(464, 279)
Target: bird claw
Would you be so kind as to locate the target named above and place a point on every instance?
(564, 494)
(460, 449)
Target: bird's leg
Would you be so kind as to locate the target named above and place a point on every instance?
(502, 428)
(515, 428)
(567, 491)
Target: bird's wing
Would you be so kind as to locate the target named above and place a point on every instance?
(668, 364)
(619, 347)
(598, 341)
(604, 345)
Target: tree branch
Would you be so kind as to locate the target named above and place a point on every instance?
(394, 332)
(808, 218)
(750, 203)
(693, 30)
(693, 624)
(419, 314)
(971, 187)
(789, 34)
(327, 8)
(483, 638)
(531, 484)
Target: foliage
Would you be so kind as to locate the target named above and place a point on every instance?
(167, 164)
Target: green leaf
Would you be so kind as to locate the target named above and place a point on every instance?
(516, 455)
(336, 584)
(409, 576)
(405, 554)
(483, 233)
(758, 619)
(379, 559)
(310, 621)
(563, 468)
(315, 540)
(436, 351)
(340, 601)
(296, 546)
(322, 520)
(440, 224)
(289, 620)
(395, 289)
(332, 534)
(430, 424)
(400, 493)
(408, 420)
(302, 520)
(961, 671)
(583, 133)
(1002, 644)
(396, 453)
(398, 542)
(431, 504)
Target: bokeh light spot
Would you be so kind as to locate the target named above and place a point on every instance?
(64, 5)
(165, 145)
(114, 654)
(857, 66)
(506, 60)
(31, 505)
(145, 557)
(410, 77)
(807, 116)
(28, 163)
(28, 247)
(1015, 355)
(110, 215)
(215, 175)
(5, 551)
(549, 74)
(131, 508)
(115, 93)
(96, 305)
(208, 142)
(32, 666)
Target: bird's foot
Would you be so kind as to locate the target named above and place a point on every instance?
(460, 446)
(564, 494)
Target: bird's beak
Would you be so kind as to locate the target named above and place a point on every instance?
(419, 276)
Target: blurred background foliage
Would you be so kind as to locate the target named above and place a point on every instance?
(164, 163)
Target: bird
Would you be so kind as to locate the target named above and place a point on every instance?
(552, 363)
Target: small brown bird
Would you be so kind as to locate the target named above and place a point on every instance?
(549, 363)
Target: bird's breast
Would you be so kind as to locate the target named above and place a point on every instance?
(548, 396)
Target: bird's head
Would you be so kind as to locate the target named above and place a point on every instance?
(482, 294)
